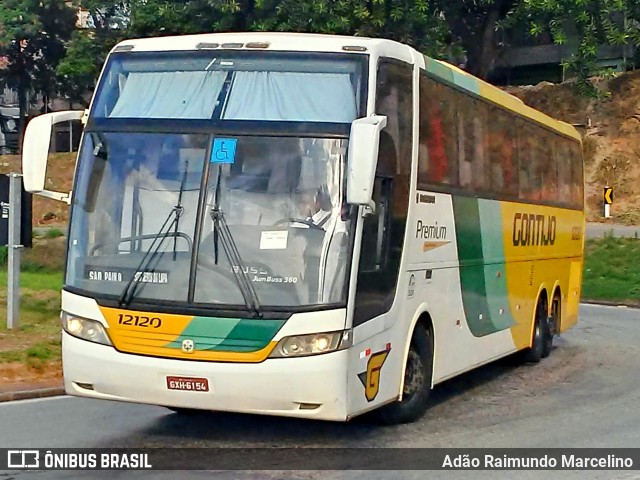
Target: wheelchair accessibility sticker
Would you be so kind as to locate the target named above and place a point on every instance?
(224, 150)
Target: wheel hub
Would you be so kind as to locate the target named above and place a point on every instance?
(414, 376)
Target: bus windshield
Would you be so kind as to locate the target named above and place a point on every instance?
(232, 85)
(207, 212)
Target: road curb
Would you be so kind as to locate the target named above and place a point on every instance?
(34, 393)
(609, 303)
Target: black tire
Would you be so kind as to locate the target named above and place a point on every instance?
(553, 326)
(417, 381)
(186, 411)
(542, 338)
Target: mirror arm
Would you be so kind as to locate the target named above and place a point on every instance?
(369, 209)
(61, 197)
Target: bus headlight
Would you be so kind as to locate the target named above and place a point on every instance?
(312, 344)
(85, 329)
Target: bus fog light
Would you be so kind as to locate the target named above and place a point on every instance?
(313, 344)
(85, 329)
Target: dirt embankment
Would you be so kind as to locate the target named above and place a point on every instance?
(611, 133)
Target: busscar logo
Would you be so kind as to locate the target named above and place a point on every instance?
(188, 346)
(23, 459)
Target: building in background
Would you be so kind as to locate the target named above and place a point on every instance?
(528, 60)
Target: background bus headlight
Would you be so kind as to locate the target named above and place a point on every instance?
(312, 344)
(85, 329)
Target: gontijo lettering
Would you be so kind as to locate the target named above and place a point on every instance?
(533, 229)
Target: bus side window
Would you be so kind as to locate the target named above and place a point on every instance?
(497, 139)
(508, 154)
(465, 140)
(375, 230)
(549, 168)
(530, 176)
(563, 160)
(437, 149)
(394, 99)
(577, 179)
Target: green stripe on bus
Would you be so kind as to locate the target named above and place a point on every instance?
(228, 334)
(439, 69)
(466, 81)
(249, 332)
(470, 255)
(494, 269)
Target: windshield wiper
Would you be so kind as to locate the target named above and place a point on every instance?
(221, 231)
(145, 264)
(179, 206)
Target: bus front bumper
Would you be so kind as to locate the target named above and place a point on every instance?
(306, 387)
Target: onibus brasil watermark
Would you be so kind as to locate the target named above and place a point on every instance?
(77, 460)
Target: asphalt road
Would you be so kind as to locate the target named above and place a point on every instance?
(586, 394)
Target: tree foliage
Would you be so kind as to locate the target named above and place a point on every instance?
(582, 24)
(33, 34)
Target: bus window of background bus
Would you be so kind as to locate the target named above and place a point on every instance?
(437, 148)
(394, 98)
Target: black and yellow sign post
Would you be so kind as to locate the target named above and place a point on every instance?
(607, 200)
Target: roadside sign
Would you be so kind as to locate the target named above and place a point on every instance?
(608, 195)
(25, 213)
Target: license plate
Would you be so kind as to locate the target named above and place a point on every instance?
(189, 384)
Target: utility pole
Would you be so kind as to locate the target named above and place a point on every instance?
(14, 249)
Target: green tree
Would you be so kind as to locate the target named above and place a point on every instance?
(32, 38)
(78, 70)
(88, 48)
(409, 21)
(474, 27)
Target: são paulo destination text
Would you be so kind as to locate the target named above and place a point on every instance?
(604, 462)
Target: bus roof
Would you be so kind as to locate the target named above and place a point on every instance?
(293, 42)
(377, 47)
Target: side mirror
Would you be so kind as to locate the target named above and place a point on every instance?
(35, 151)
(362, 159)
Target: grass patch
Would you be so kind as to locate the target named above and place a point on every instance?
(53, 233)
(35, 343)
(38, 280)
(610, 269)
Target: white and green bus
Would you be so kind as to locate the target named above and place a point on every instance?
(307, 225)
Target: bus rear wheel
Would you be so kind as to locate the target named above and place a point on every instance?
(417, 381)
(542, 335)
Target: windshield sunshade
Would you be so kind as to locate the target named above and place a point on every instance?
(190, 95)
(232, 86)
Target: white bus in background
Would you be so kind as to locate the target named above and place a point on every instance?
(306, 225)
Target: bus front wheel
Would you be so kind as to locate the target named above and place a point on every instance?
(417, 381)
